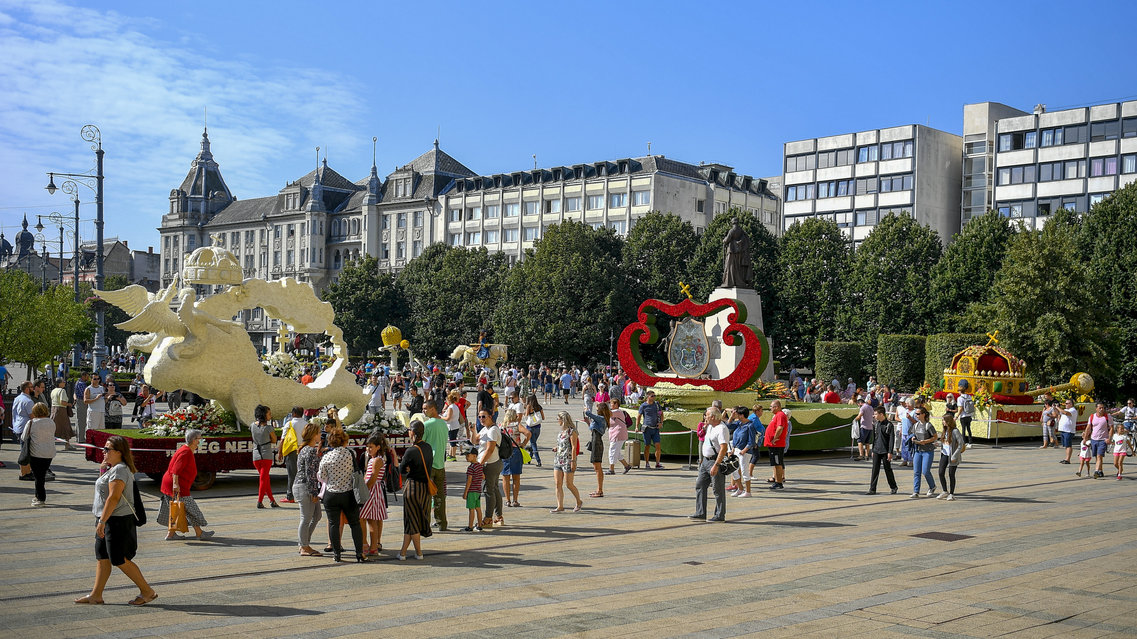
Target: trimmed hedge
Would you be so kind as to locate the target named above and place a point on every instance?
(940, 348)
(900, 361)
(837, 360)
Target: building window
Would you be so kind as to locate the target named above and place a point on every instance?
(1075, 169)
(866, 217)
(1016, 174)
(1051, 137)
(1100, 131)
(166, 265)
(276, 232)
(1103, 166)
(595, 202)
(385, 252)
(291, 230)
(492, 211)
(1129, 128)
(401, 221)
(572, 203)
(866, 185)
(553, 206)
(891, 183)
(355, 227)
(509, 235)
(641, 198)
(1129, 163)
(617, 200)
(1097, 197)
(867, 153)
(896, 150)
(455, 215)
(384, 222)
(290, 258)
(1049, 171)
(473, 237)
(531, 207)
(491, 236)
(1075, 134)
(700, 205)
(619, 226)
(418, 219)
(401, 250)
(416, 248)
(530, 233)
(513, 209)
(838, 188)
(455, 239)
(249, 263)
(801, 162)
(800, 192)
(474, 213)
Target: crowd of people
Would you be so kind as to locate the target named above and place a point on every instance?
(352, 486)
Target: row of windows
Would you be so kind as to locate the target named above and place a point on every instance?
(400, 220)
(528, 234)
(552, 205)
(1072, 134)
(1067, 170)
(841, 188)
(845, 157)
(849, 219)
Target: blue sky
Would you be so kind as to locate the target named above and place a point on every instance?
(580, 82)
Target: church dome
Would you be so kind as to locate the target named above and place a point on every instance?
(24, 240)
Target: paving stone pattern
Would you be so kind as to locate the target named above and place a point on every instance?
(1049, 555)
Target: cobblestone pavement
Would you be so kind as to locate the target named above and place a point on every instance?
(1044, 554)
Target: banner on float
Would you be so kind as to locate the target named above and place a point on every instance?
(1006, 421)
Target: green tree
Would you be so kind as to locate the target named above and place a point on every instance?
(656, 253)
(887, 286)
(36, 326)
(563, 299)
(1107, 238)
(813, 261)
(966, 272)
(705, 269)
(1048, 308)
(451, 294)
(365, 301)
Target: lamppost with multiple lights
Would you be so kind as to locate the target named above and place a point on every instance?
(42, 239)
(91, 134)
(59, 220)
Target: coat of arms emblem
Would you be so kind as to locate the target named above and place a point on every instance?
(688, 350)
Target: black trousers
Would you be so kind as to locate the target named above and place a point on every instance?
(334, 505)
(39, 471)
(878, 460)
(947, 482)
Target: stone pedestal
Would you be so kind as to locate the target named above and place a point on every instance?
(724, 358)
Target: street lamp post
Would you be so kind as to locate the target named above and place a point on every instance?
(42, 259)
(57, 219)
(91, 134)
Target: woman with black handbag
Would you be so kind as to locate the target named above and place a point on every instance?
(116, 535)
(337, 471)
(418, 491)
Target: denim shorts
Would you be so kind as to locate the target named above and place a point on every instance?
(1067, 439)
(512, 466)
(1097, 447)
(651, 435)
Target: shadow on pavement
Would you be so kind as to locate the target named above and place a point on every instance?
(235, 610)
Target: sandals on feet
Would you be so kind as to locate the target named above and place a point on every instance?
(142, 601)
(596, 494)
(578, 507)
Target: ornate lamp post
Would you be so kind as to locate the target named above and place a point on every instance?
(91, 134)
(59, 220)
(42, 239)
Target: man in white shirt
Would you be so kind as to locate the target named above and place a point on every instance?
(1067, 426)
(711, 452)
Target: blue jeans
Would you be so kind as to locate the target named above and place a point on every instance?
(922, 464)
(534, 433)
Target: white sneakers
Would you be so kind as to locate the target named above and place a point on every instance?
(743, 494)
(950, 498)
(942, 496)
(914, 496)
(37, 503)
(931, 491)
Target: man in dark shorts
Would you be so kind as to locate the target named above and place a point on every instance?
(650, 415)
(566, 384)
(775, 442)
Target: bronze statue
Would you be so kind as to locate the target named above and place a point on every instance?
(737, 271)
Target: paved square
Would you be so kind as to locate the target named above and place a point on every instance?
(1048, 554)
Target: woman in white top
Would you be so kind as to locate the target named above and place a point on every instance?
(40, 433)
(453, 418)
(488, 438)
(617, 435)
(533, 416)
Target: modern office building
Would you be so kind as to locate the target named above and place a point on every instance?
(856, 179)
(1029, 165)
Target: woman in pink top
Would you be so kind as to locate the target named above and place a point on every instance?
(1097, 434)
(617, 435)
(602, 397)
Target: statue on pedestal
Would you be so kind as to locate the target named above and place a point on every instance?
(737, 270)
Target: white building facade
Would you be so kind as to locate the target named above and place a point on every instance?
(1042, 162)
(856, 179)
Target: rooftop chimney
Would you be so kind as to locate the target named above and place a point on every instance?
(1039, 109)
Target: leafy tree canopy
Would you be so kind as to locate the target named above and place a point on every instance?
(656, 253)
(812, 264)
(966, 272)
(365, 301)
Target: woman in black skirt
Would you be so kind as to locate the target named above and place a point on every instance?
(416, 495)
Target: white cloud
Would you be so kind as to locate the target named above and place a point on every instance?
(67, 66)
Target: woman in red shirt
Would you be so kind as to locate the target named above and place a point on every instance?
(176, 484)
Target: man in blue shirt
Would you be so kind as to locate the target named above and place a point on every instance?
(742, 441)
(650, 416)
(566, 384)
(758, 432)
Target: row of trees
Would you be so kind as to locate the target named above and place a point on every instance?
(36, 325)
(1061, 297)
